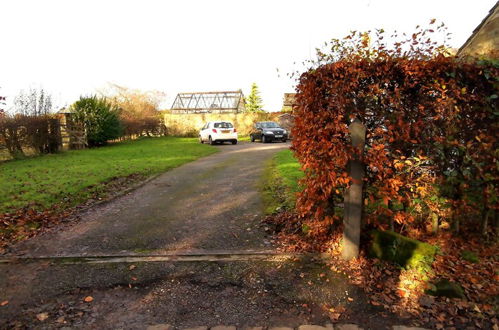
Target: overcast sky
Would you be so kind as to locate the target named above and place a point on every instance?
(72, 47)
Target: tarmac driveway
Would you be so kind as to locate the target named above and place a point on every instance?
(210, 204)
(207, 206)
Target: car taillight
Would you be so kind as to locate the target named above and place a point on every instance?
(235, 130)
(214, 130)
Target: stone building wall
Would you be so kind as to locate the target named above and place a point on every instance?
(484, 42)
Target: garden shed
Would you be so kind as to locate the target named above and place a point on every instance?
(209, 102)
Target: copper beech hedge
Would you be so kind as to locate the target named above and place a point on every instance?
(431, 150)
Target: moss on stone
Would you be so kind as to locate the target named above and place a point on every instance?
(445, 288)
(404, 251)
(469, 256)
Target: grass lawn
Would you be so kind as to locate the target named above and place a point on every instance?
(288, 169)
(72, 177)
(243, 138)
(280, 182)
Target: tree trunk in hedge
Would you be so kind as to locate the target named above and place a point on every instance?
(352, 219)
(485, 221)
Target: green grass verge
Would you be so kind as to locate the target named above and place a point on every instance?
(72, 177)
(288, 168)
(280, 182)
(244, 138)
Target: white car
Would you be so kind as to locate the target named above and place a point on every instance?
(218, 131)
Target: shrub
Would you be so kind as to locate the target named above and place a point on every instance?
(432, 129)
(100, 119)
(42, 133)
(12, 135)
(38, 133)
(31, 126)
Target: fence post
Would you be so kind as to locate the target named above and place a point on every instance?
(352, 218)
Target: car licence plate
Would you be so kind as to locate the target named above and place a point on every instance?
(226, 131)
(278, 136)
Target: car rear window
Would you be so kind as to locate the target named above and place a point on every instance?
(223, 125)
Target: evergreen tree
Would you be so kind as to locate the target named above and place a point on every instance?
(254, 101)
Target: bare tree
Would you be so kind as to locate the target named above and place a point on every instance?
(34, 102)
(2, 104)
(139, 110)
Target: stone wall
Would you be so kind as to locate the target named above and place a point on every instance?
(72, 136)
(190, 124)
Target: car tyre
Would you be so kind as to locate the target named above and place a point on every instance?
(234, 141)
(252, 138)
(201, 140)
(211, 141)
(284, 140)
(264, 139)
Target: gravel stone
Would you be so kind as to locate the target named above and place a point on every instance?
(311, 327)
(347, 326)
(160, 327)
(223, 327)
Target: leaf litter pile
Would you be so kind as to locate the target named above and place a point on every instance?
(402, 291)
(32, 220)
(25, 223)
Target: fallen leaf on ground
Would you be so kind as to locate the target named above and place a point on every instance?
(5, 302)
(132, 267)
(42, 316)
(88, 299)
(385, 283)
